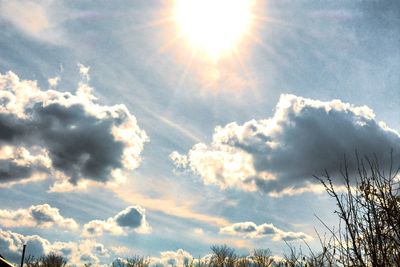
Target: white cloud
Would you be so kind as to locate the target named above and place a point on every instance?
(53, 82)
(42, 216)
(77, 253)
(84, 71)
(121, 250)
(172, 258)
(280, 155)
(198, 231)
(252, 230)
(132, 218)
(67, 136)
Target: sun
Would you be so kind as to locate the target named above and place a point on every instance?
(213, 26)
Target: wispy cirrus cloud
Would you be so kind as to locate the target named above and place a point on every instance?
(38, 19)
(169, 205)
(279, 155)
(131, 219)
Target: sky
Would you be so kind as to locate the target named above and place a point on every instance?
(161, 128)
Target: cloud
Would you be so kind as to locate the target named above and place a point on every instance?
(84, 71)
(37, 19)
(53, 82)
(132, 218)
(168, 204)
(121, 250)
(179, 257)
(42, 216)
(279, 155)
(172, 258)
(252, 230)
(67, 136)
(31, 17)
(198, 231)
(11, 244)
(17, 161)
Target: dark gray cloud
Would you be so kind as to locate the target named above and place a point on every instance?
(132, 218)
(10, 171)
(282, 153)
(42, 216)
(79, 137)
(10, 127)
(79, 144)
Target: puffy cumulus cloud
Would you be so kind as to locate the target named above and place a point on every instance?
(19, 162)
(252, 230)
(67, 136)
(172, 258)
(42, 216)
(132, 218)
(77, 253)
(279, 155)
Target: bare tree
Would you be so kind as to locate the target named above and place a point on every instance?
(223, 256)
(244, 262)
(321, 259)
(134, 261)
(369, 214)
(50, 260)
(294, 258)
(262, 258)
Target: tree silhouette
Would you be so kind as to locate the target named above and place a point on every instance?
(369, 214)
(50, 260)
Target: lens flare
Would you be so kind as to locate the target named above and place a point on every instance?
(214, 26)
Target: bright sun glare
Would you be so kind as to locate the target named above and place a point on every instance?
(214, 26)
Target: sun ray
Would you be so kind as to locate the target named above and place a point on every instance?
(163, 49)
(270, 20)
(265, 46)
(213, 26)
(210, 38)
(156, 23)
(269, 49)
(247, 72)
(167, 46)
(187, 67)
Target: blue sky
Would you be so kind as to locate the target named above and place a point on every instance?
(159, 147)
